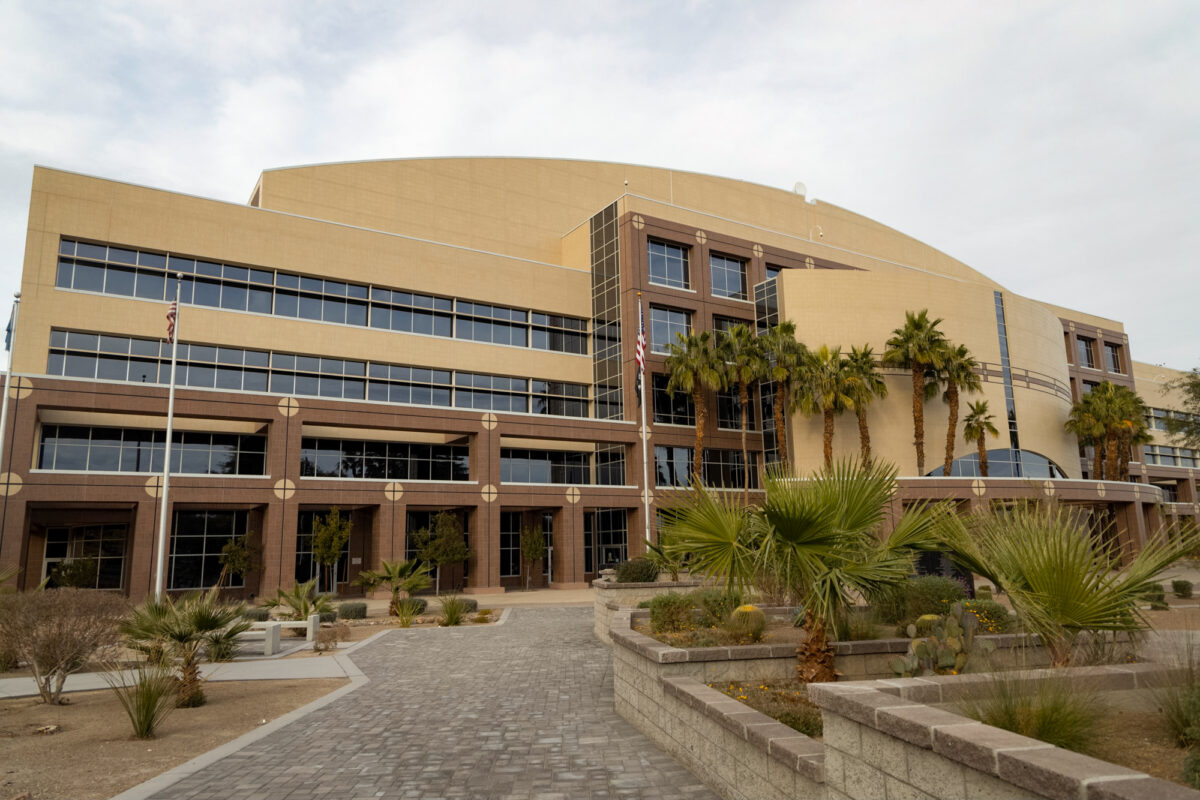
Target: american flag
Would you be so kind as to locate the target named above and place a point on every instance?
(171, 312)
(639, 352)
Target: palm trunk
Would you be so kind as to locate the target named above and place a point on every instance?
(1110, 457)
(701, 419)
(744, 399)
(864, 435)
(828, 413)
(952, 399)
(814, 656)
(780, 429)
(918, 387)
(983, 467)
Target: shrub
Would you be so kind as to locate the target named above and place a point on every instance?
(408, 609)
(256, 613)
(747, 622)
(1181, 588)
(355, 610)
(1052, 710)
(454, 610)
(639, 570)
(715, 605)
(56, 631)
(148, 699)
(1155, 593)
(671, 613)
(992, 617)
(327, 638)
(856, 625)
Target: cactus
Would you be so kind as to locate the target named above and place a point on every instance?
(747, 622)
(941, 646)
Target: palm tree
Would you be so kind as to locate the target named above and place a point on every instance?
(918, 346)
(818, 538)
(783, 355)
(958, 373)
(175, 631)
(694, 366)
(1059, 581)
(976, 427)
(739, 349)
(1084, 421)
(866, 384)
(402, 577)
(824, 388)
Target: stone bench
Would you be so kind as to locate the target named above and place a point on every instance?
(310, 626)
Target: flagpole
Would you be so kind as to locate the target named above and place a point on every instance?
(9, 342)
(645, 436)
(160, 577)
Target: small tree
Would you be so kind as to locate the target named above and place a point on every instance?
(57, 631)
(329, 535)
(533, 550)
(441, 545)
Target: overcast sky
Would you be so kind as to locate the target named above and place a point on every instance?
(1053, 146)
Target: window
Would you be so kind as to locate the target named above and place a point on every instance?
(105, 544)
(677, 409)
(728, 276)
(721, 323)
(307, 567)
(392, 461)
(88, 355)
(510, 544)
(1112, 354)
(729, 410)
(75, 447)
(668, 264)
(196, 542)
(1086, 351)
(665, 325)
(149, 276)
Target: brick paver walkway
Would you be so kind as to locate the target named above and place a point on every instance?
(520, 710)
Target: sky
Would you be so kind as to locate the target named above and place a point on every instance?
(1055, 147)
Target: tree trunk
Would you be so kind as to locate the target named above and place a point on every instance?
(952, 400)
(864, 436)
(744, 398)
(701, 419)
(828, 438)
(983, 467)
(1110, 457)
(814, 656)
(918, 387)
(780, 429)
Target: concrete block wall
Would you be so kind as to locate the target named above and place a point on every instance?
(740, 753)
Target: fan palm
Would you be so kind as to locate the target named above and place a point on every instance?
(824, 388)
(1058, 579)
(783, 355)
(402, 578)
(743, 357)
(976, 428)
(958, 373)
(918, 346)
(176, 631)
(694, 367)
(866, 384)
(816, 537)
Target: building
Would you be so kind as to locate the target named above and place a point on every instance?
(401, 338)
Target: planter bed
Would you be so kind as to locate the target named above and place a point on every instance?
(882, 738)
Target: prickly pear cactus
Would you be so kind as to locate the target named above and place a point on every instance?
(940, 646)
